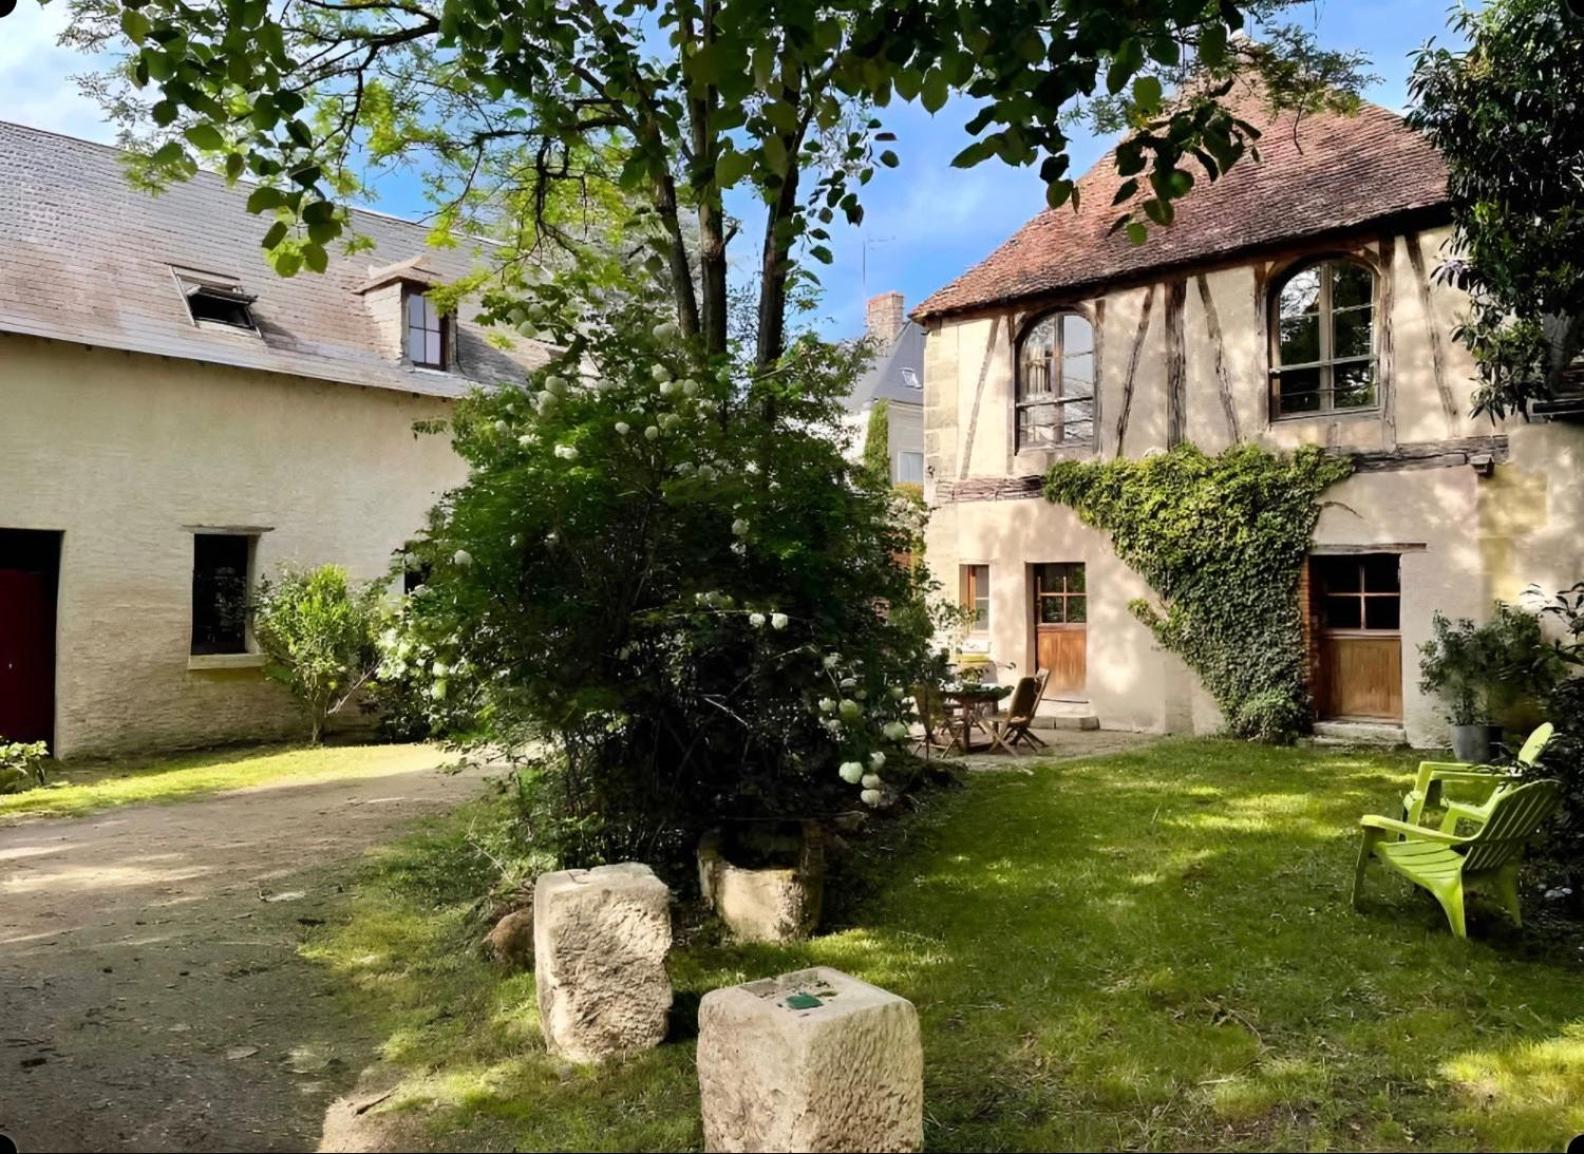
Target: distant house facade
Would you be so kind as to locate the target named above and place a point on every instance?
(176, 422)
(1293, 303)
(894, 381)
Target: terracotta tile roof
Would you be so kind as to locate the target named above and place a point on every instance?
(86, 257)
(1318, 174)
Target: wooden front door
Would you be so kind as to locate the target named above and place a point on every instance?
(1358, 607)
(29, 564)
(1061, 627)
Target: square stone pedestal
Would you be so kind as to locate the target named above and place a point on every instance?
(600, 942)
(811, 1060)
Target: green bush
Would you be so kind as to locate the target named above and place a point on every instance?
(1485, 672)
(22, 765)
(319, 632)
(1558, 860)
(1222, 540)
(664, 590)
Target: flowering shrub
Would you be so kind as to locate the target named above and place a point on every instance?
(663, 590)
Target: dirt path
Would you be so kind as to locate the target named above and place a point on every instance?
(151, 997)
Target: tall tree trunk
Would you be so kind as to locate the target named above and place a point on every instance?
(711, 215)
(677, 257)
(774, 269)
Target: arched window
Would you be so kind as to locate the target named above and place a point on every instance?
(1056, 383)
(1323, 346)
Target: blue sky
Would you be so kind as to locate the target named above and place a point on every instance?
(925, 222)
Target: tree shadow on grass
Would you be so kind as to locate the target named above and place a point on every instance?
(1151, 950)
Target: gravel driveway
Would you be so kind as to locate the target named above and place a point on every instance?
(151, 997)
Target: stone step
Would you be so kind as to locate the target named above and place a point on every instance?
(1359, 733)
(1066, 715)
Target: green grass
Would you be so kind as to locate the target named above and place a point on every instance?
(1153, 950)
(82, 787)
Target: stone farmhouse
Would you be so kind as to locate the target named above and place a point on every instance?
(1293, 303)
(176, 421)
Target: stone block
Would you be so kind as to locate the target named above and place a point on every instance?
(811, 1060)
(600, 942)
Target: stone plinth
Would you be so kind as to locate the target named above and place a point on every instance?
(600, 941)
(812, 1060)
(769, 903)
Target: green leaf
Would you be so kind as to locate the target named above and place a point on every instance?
(264, 199)
(206, 137)
(731, 166)
(315, 257)
(1058, 193)
(1213, 45)
(135, 25)
(235, 163)
(164, 113)
(265, 115)
(1136, 232)
(1147, 94)
(889, 159)
(935, 91)
(287, 261)
(275, 235)
(168, 153)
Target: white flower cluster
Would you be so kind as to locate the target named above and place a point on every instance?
(847, 713)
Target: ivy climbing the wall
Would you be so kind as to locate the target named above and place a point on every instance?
(1222, 540)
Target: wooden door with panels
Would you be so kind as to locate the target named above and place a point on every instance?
(1061, 627)
(1358, 609)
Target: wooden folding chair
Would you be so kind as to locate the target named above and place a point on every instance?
(1012, 730)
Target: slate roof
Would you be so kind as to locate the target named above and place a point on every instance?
(86, 257)
(1319, 174)
(886, 378)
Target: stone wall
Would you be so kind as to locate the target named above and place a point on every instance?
(128, 454)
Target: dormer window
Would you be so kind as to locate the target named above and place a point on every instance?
(216, 300)
(426, 332)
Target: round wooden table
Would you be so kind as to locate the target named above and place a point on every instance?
(963, 703)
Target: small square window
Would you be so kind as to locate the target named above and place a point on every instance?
(222, 567)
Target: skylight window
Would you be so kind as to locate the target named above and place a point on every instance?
(216, 300)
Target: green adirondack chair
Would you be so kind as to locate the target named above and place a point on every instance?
(1448, 865)
(1468, 792)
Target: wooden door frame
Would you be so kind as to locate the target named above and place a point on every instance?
(1319, 635)
(1031, 601)
(48, 547)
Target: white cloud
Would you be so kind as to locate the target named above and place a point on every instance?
(36, 86)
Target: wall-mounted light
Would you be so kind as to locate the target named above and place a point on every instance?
(1484, 464)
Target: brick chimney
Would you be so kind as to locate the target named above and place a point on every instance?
(886, 318)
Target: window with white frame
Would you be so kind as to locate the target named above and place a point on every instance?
(909, 468)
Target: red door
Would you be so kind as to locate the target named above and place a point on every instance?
(27, 655)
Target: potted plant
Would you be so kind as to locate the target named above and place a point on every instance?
(1487, 674)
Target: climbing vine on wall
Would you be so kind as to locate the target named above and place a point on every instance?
(1222, 541)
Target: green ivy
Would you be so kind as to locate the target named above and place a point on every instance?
(1222, 540)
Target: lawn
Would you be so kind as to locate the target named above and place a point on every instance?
(82, 787)
(1153, 950)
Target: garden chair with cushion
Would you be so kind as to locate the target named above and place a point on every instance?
(1468, 792)
(1448, 865)
(1012, 729)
